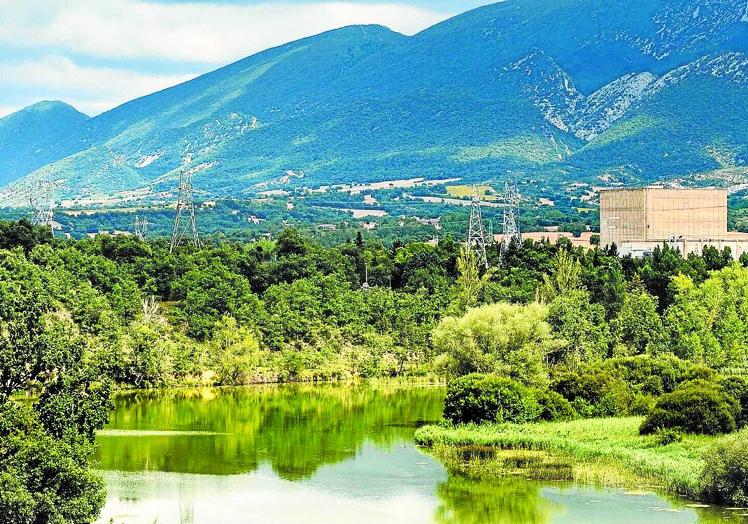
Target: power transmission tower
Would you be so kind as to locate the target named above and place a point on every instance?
(476, 239)
(511, 230)
(141, 227)
(185, 226)
(44, 204)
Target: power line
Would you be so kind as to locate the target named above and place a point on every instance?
(185, 227)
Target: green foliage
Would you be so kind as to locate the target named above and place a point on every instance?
(470, 283)
(696, 406)
(594, 393)
(725, 477)
(498, 338)
(637, 329)
(582, 326)
(235, 354)
(75, 406)
(667, 436)
(553, 406)
(565, 278)
(707, 323)
(737, 388)
(650, 375)
(489, 398)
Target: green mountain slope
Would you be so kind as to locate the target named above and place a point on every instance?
(561, 89)
(34, 136)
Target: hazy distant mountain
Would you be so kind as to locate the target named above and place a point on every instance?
(31, 137)
(561, 89)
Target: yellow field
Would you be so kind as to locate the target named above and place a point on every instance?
(466, 191)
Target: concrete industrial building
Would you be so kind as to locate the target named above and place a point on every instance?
(638, 220)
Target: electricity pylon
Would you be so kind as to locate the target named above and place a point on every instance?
(141, 227)
(476, 238)
(510, 227)
(185, 226)
(44, 204)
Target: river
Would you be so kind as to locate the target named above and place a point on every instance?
(324, 454)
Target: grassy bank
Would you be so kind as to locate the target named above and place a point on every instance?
(608, 450)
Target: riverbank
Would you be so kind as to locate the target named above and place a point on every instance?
(606, 451)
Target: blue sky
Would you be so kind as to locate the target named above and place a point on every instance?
(97, 54)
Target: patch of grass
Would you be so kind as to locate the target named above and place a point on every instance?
(608, 451)
(465, 191)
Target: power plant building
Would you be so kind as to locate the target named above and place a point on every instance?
(638, 220)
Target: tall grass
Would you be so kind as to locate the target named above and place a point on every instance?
(599, 448)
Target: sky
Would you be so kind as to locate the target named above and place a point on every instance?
(98, 54)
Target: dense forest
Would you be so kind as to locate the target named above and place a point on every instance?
(80, 318)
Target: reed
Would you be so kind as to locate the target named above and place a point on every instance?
(606, 451)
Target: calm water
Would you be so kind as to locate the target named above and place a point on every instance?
(323, 454)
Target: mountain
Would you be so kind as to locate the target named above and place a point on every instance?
(565, 90)
(28, 137)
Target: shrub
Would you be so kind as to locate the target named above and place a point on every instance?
(668, 436)
(653, 386)
(594, 393)
(700, 372)
(737, 388)
(553, 406)
(696, 406)
(489, 398)
(641, 404)
(653, 376)
(725, 476)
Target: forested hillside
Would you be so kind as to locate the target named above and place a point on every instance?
(79, 318)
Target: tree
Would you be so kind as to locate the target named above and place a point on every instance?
(708, 323)
(43, 479)
(506, 339)
(207, 293)
(36, 340)
(45, 447)
(566, 277)
(470, 282)
(235, 353)
(659, 270)
(638, 328)
(582, 326)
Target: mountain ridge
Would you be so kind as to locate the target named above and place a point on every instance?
(561, 88)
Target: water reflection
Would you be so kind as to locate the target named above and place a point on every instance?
(222, 432)
(467, 501)
(325, 455)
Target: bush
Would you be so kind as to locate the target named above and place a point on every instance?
(725, 476)
(505, 339)
(696, 406)
(489, 398)
(668, 436)
(737, 388)
(649, 375)
(700, 372)
(553, 406)
(641, 404)
(594, 393)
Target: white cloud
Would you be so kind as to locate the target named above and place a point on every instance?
(6, 110)
(90, 89)
(208, 33)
